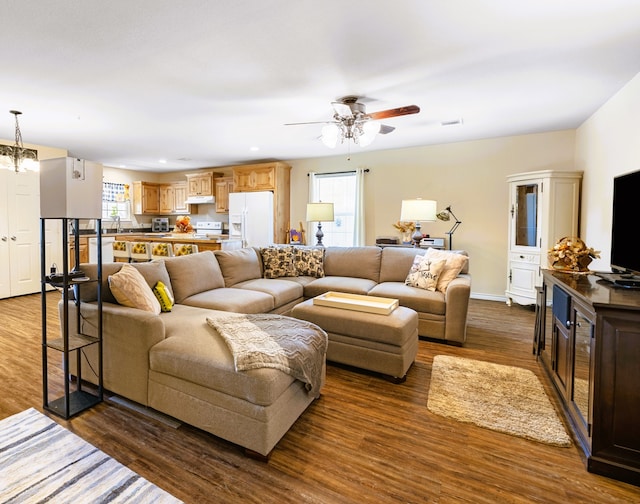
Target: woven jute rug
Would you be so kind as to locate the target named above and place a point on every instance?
(41, 461)
(503, 398)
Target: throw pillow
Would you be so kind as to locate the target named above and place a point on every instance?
(309, 261)
(278, 262)
(454, 265)
(424, 273)
(130, 288)
(164, 297)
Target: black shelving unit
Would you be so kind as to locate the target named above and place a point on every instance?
(78, 395)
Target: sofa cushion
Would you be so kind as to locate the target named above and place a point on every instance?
(232, 300)
(396, 262)
(278, 261)
(340, 284)
(153, 272)
(309, 261)
(195, 352)
(193, 273)
(130, 289)
(424, 273)
(420, 300)
(455, 263)
(281, 290)
(239, 265)
(358, 262)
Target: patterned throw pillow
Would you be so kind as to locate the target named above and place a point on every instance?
(454, 265)
(424, 273)
(130, 289)
(164, 296)
(278, 262)
(309, 261)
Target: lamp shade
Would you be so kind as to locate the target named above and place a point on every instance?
(418, 210)
(319, 212)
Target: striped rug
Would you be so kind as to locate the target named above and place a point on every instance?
(41, 461)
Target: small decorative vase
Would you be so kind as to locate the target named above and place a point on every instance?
(406, 237)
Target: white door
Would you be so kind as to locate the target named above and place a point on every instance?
(23, 217)
(5, 268)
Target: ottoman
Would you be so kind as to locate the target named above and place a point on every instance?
(385, 344)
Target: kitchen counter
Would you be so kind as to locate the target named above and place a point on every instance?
(212, 242)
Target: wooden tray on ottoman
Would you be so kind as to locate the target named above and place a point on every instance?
(357, 302)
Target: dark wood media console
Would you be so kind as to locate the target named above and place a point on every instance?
(588, 340)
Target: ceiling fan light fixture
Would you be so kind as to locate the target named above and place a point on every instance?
(330, 134)
(369, 131)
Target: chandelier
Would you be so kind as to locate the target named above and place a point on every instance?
(15, 156)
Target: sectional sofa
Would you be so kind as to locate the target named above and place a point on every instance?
(176, 363)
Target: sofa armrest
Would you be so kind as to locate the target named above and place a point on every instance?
(127, 336)
(457, 302)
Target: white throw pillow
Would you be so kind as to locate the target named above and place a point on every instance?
(454, 264)
(130, 289)
(424, 273)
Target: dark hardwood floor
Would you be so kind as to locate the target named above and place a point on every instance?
(366, 440)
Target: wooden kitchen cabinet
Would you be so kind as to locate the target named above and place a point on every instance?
(146, 198)
(83, 247)
(172, 198)
(224, 186)
(275, 177)
(200, 184)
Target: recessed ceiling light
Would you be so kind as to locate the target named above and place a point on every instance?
(162, 161)
(254, 148)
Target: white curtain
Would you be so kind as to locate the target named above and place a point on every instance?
(359, 226)
(313, 195)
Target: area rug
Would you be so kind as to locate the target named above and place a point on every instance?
(41, 461)
(503, 398)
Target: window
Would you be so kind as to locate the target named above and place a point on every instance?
(115, 201)
(339, 189)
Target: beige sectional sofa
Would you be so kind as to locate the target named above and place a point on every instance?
(176, 363)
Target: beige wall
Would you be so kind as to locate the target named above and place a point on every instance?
(469, 176)
(606, 146)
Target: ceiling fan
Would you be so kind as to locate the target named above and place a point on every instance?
(351, 122)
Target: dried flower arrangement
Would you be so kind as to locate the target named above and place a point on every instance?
(405, 227)
(183, 224)
(571, 254)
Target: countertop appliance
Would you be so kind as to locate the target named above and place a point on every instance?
(251, 218)
(206, 228)
(160, 225)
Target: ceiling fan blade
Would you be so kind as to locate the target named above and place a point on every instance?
(385, 114)
(312, 122)
(384, 129)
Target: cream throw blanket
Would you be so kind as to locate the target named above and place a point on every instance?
(293, 346)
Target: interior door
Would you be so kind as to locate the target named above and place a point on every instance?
(23, 209)
(5, 267)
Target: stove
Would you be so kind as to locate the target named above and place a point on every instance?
(205, 228)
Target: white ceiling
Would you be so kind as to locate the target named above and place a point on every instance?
(200, 82)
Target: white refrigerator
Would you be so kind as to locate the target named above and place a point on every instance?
(251, 218)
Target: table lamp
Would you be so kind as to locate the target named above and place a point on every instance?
(319, 212)
(417, 210)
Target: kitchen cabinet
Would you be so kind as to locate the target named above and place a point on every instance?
(588, 340)
(200, 184)
(224, 186)
(275, 177)
(146, 198)
(83, 248)
(544, 206)
(172, 198)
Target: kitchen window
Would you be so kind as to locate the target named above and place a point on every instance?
(116, 204)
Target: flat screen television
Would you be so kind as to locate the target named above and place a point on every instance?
(625, 256)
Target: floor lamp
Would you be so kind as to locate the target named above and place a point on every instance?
(319, 212)
(446, 215)
(417, 210)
